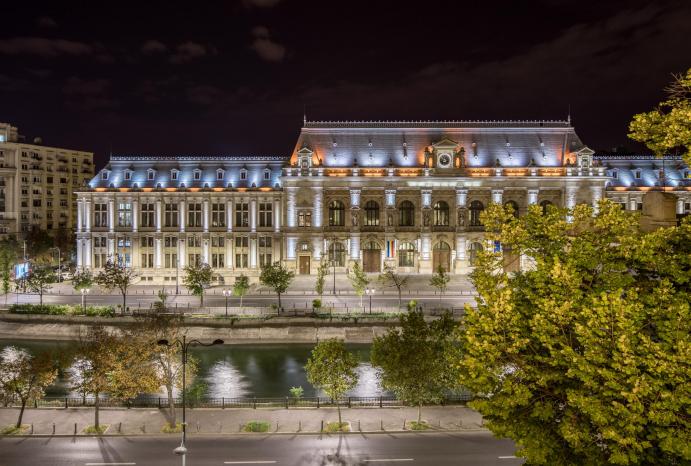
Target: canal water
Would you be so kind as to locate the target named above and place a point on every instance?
(242, 370)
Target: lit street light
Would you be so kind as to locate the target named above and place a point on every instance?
(227, 294)
(369, 292)
(184, 346)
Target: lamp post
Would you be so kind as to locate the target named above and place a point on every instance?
(177, 276)
(227, 294)
(184, 346)
(333, 263)
(84, 291)
(369, 292)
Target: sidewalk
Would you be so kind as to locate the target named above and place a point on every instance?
(230, 421)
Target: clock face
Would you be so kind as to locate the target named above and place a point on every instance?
(444, 160)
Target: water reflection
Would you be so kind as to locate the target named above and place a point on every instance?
(242, 371)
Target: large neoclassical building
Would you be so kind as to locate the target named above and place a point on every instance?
(405, 194)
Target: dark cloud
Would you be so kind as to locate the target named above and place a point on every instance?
(151, 47)
(43, 47)
(260, 3)
(46, 22)
(89, 94)
(188, 51)
(266, 48)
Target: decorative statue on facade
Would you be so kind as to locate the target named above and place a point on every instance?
(389, 220)
(355, 220)
(461, 218)
(426, 219)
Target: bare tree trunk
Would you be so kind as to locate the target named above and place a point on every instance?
(201, 299)
(40, 297)
(21, 413)
(96, 406)
(279, 302)
(399, 298)
(338, 406)
(419, 413)
(124, 301)
(171, 405)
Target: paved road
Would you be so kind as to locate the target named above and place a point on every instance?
(458, 449)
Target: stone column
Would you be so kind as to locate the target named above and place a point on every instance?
(277, 215)
(596, 195)
(181, 252)
(291, 246)
(355, 198)
(157, 253)
(87, 215)
(461, 197)
(253, 252)
(461, 257)
(229, 252)
(80, 216)
(205, 215)
(497, 195)
(426, 198)
(181, 215)
(253, 214)
(229, 214)
(205, 250)
(680, 205)
(355, 247)
(87, 253)
(111, 215)
(80, 252)
(633, 204)
(317, 210)
(135, 215)
(533, 196)
(317, 243)
(291, 212)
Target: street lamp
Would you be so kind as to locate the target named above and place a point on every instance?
(333, 263)
(184, 346)
(177, 276)
(227, 294)
(369, 292)
(84, 291)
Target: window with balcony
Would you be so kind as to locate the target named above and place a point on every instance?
(337, 254)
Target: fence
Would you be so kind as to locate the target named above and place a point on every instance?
(255, 403)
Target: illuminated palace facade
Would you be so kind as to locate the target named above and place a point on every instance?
(405, 194)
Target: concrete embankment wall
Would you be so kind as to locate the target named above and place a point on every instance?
(244, 331)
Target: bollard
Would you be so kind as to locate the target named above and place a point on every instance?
(220, 427)
(32, 428)
(65, 402)
(276, 426)
(144, 428)
(381, 424)
(440, 423)
(322, 427)
(300, 426)
(75, 428)
(460, 422)
(53, 428)
(197, 426)
(223, 403)
(403, 424)
(255, 403)
(359, 427)
(120, 428)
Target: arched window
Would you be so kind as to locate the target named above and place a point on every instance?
(337, 254)
(371, 214)
(406, 214)
(336, 214)
(545, 206)
(476, 209)
(441, 214)
(514, 207)
(406, 255)
(475, 248)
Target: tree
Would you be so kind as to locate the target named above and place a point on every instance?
(415, 359)
(38, 281)
(24, 378)
(82, 280)
(322, 272)
(584, 358)
(277, 277)
(331, 367)
(161, 305)
(390, 278)
(668, 127)
(8, 257)
(116, 275)
(198, 278)
(241, 286)
(440, 280)
(117, 365)
(359, 281)
(38, 243)
(167, 359)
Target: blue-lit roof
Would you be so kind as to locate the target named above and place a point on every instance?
(632, 171)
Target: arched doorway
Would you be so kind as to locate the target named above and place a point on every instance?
(441, 256)
(371, 257)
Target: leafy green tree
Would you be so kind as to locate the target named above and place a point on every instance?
(24, 378)
(584, 358)
(161, 305)
(331, 367)
(415, 359)
(358, 280)
(277, 277)
(38, 244)
(197, 279)
(241, 287)
(115, 365)
(82, 280)
(392, 279)
(115, 275)
(440, 280)
(8, 258)
(38, 281)
(322, 272)
(668, 127)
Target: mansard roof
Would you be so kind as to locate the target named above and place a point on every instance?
(186, 166)
(652, 171)
(374, 143)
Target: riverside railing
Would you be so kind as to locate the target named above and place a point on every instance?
(255, 402)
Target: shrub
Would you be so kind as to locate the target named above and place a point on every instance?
(256, 426)
(316, 303)
(335, 427)
(169, 429)
(62, 310)
(100, 430)
(412, 305)
(422, 425)
(296, 392)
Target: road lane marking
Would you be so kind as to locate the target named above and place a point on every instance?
(506, 457)
(389, 460)
(251, 462)
(110, 464)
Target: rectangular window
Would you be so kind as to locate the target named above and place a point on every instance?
(241, 261)
(171, 215)
(305, 219)
(124, 214)
(147, 241)
(264, 259)
(170, 242)
(242, 241)
(197, 175)
(150, 175)
(265, 214)
(128, 175)
(171, 260)
(217, 261)
(219, 174)
(147, 215)
(267, 175)
(194, 214)
(194, 259)
(194, 242)
(265, 241)
(242, 214)
(243, 174)
(147, 261)
(100, 215)
(217, 241)
(174, 175)
(218, 215)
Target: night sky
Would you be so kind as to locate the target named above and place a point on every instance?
(232, 77)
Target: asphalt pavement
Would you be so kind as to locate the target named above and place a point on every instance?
(424, 449)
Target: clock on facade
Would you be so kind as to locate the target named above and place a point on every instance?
(444, 160)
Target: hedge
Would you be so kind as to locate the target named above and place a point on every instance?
(63, 310)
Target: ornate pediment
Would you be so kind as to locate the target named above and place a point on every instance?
(445, 143)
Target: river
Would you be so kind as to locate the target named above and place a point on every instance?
(242, 370)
